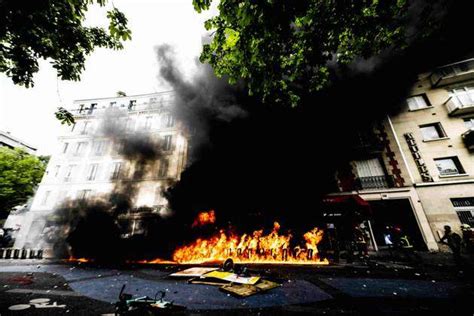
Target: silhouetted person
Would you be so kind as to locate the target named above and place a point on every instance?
(388, 239)
(467, 238)
(453, 240)
(361, 240)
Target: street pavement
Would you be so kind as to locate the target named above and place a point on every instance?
(361, 288)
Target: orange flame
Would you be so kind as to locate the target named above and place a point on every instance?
(81, 260)
(204, 218)
(252, 248)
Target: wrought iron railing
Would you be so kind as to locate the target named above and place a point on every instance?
(375, 182)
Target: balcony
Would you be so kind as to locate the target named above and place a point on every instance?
(375, 182)
(468, 139)
(365, 143)
(453, 73)
(455, 107)
(130, 106)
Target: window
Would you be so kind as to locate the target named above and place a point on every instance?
(62, 196)
(45, 197)
(158, 196)
(132, 104)
(70, 173)
(116, 171)
(80, 148)
(99, 147)
(168, 120)
(65, 146)
(130, 124)
(369, 168)
(371, 174)
(464, 208)
(148, 122)
(81, 108)
(112, 104)
(463, 96)
(163, 171)
(432, 131)
(137, 173)
(85, 127)
(449, 166)
(57, 168)
(418, 102)
(118, 148)
(167, 142)
(92, 108)
(469, 122)
(84, 194)
(92, 172)
(456, 69)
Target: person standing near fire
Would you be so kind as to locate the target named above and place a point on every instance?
(361, 239)
(453, 240)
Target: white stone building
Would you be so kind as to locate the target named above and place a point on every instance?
(88, 163)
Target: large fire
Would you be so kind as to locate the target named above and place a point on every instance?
(247, 248)
(252, 248)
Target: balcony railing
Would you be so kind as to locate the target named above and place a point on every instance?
(468, 139)
(375, 182)
(449, 74)
(130, 107)
(458, 108)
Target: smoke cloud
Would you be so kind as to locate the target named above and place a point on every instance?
(276, 162)
(255, 163)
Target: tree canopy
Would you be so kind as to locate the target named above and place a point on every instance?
(284, 48)
(53, 30)
(20, 172)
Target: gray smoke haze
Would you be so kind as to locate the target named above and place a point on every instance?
(203, 99)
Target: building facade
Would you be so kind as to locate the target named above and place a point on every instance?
(416, 168)
(10, 141)
(88, 162)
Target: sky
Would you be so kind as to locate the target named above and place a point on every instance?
(28, 114)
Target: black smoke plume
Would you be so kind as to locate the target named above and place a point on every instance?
(276, 162)
(93, 226)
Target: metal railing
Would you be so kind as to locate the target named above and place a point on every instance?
(375, 182)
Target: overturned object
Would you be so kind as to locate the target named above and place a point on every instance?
(245, 290)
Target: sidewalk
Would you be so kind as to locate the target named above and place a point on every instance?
(427, 258)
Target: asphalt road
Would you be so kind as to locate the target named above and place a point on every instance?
(376, 288)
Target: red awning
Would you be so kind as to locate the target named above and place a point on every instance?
(348, 204)
(341, 199)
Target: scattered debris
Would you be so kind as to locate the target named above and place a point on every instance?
(245, 290)
(236, 280)
(193, 272)
(144, 304)
(229, 277)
